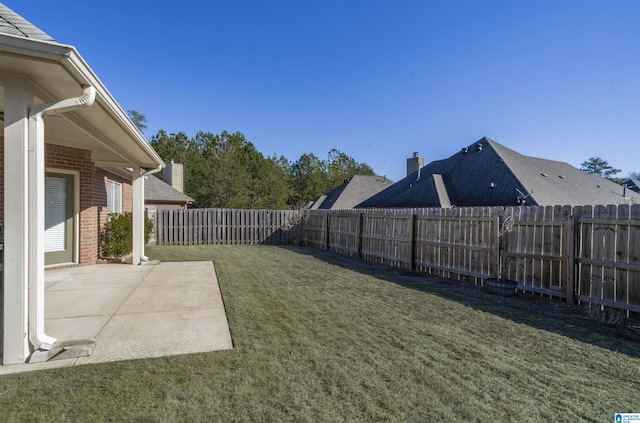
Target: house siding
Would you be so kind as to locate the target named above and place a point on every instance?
(92, 213)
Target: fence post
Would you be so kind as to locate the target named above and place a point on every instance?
(412, 234)
(495, 242)
(326, 230)
(359, 235)
(569, 241)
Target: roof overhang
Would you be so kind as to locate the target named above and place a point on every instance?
(56, 72)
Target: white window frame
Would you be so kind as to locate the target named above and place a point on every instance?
(114, 196)
(76, 211)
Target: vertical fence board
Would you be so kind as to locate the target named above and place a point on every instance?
(622, 250)
(598, 246)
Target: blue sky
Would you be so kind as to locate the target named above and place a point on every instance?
(375, 79)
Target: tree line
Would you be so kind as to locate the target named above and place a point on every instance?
(227, 171)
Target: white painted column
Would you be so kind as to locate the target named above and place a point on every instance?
(18, 101)
(138, 215)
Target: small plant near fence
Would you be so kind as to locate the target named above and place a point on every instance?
(116, 236)
(501, 285)
(292, 226)
(506, 226)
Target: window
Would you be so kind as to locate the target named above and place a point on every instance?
(114, 196)
(59, 217)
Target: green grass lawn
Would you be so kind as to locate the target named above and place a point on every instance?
(320, 337)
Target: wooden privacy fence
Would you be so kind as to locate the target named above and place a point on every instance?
(590, 254)
(227, 226)
(447, 242)
(607, 256)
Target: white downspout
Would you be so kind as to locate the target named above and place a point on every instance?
(36, 207)
(143, 257)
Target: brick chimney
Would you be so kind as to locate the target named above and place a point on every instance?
(414, 163)
(172, 174)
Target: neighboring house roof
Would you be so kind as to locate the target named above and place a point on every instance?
(632, 184)
(158, 191)
(352, 192)
(57, 72)
(487, 173)
(314, 205)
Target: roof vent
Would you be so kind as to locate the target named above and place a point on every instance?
(560, 176)
(544, 174)
(478, 147)
(465, 150)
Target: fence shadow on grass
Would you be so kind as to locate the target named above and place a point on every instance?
(529, 309)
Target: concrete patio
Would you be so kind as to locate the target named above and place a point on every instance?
(134, 312)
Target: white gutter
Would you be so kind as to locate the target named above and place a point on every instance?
(152, 171)
(36, 207)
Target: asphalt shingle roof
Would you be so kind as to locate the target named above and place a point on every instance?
(353, 191)
(157, 190)
(13, 24)
(487, 173)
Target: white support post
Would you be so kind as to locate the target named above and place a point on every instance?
(35, 233)
(18, 101)
(138, 215)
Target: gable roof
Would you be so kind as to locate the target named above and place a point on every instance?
(13, 24)
(352, 192)
(156, 190)
(487, 173)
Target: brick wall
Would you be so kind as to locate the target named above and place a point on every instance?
(100, 194)
(72, 159)
(93, 194)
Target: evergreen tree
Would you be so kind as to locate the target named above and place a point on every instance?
(226, 171)
(598, 166)
(138, 119)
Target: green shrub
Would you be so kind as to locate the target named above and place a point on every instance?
(116, 237)
(148, 227)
